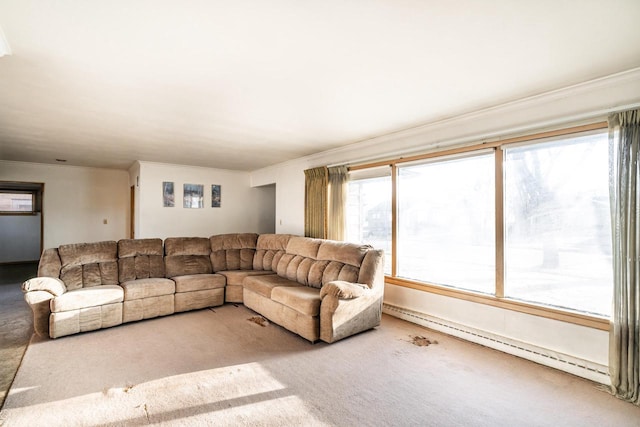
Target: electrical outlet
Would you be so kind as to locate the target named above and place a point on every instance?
(104, 221)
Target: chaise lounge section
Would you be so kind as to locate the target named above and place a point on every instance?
(319, 289)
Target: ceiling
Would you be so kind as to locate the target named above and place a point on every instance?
(245, 84)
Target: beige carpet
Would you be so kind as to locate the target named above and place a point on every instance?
(216, 367)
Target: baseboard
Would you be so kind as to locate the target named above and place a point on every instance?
(581, 368)
(19, 262)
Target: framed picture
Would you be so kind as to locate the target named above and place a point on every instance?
(168, 198)
(193, 196)
(216, 195)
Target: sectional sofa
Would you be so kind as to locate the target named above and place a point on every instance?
(319, 289)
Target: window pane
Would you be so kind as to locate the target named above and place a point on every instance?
(16, 202)
(446, 223)
(557, 224)
(369, 214)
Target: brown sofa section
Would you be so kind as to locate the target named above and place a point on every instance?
(147, 293)
(92, 298)
(188, 263)
(234, 256)
(319, 289)
(322, 290)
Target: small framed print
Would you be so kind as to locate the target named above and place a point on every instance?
(193, 196)
(168, 195)
(216, 196)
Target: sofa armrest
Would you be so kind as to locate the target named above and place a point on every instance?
(55, 287)
(38, 293)
(344, 290)
(348, 308)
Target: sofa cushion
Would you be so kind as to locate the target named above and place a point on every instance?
(305, 271)
(199, 282)
(302, 299)
(187, 246)
(263, 285)
(269, 250)
(338, 271)
(236, 277)
(145, 288)
(87, 297)
(140, 267)
(88, 264)
(140, 259)
(232, 259)
(274, 242)
(50, 264)
(135, 247)
(233, 251)
(187, 255)
(184, 265)
(346, 253)
(304, 246)
(87, 253)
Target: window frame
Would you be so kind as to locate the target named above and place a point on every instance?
(33, 210)
(498, 300)
(370, 174)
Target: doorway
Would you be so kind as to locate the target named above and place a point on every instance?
(21, 221)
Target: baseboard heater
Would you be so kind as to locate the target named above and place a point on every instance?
(582, 368)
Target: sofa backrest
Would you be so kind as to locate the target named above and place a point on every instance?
(88, 264)
(140, 259)
(269, 250)
(310, 262)
(233, 251)
(314, 262)
(187, 255)
(50, 264)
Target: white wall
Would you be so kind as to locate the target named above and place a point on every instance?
(76, 200)
(240, 211)
(581, 342)
(20, 237)
(289, 210)
(575, 105)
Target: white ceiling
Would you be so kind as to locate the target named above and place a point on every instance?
(247, 83)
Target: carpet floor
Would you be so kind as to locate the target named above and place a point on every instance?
(16, 324)
(217, 367)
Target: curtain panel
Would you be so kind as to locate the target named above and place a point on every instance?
(315, 202)
(338, 177)
(624, 351)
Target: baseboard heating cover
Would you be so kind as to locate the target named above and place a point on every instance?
(582, 368)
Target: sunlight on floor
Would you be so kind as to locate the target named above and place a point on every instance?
(239, 394)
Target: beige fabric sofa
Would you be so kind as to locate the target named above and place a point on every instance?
(81, 293)
(147, 293)
(319, 289)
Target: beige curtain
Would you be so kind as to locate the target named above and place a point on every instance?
(624, 171)
(338, 177)
(315, 202)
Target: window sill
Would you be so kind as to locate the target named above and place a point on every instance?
(569, 316)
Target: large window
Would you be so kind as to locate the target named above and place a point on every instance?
(557, 224)
(522, 224)
(369, 212)
(446, 222)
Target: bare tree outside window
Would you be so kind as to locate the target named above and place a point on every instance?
(557, 224)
